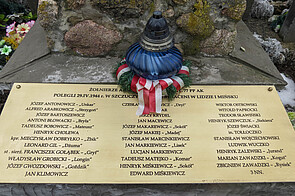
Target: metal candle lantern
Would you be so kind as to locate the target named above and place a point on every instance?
(155, 56)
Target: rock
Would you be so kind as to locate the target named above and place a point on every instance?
(73, 20)
(48, 17)
(123, 8)
(180, 2)
(190, 21)
(273, 47)
(75, 4)
(195, 25)
(160, 5)
(262, 9)
(288, 28)
(89, 13)
(235, 10)
(91, 39)
(169, 13)
(47, 13)
(221, 42)
(199, 22)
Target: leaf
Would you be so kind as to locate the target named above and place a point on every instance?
(291, 115)
(30, 15)
(2, 16)
(34, 17)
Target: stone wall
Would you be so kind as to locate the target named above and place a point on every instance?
(109, 27)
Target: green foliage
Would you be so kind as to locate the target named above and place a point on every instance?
(292, 118)
(30, 16)
(11, 12)
(19, 18)
(117, 67)
(279, 21)
(4, 58)
(171, 92)
(126, 79)
(3, 20)
(186, 79)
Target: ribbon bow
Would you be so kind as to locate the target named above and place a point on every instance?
(150, 94)
(150, 91)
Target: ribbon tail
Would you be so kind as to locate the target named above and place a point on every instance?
(146, 94)
(152, 100)
(158, 92)
(140, 108)
(143, 102)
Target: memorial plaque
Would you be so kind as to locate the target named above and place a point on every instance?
(86, 133)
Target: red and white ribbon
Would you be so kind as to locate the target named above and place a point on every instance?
(184, 70)
(122, 69)
(149, 94)
(150, 91)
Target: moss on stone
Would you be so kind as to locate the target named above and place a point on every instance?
(201, 8)
(236, 9)
(199, 22)
(42, 5)
(132, 4)
(152, 8)
(43, 14)
(50, 42)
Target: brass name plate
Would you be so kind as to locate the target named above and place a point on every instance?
(81, 133)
